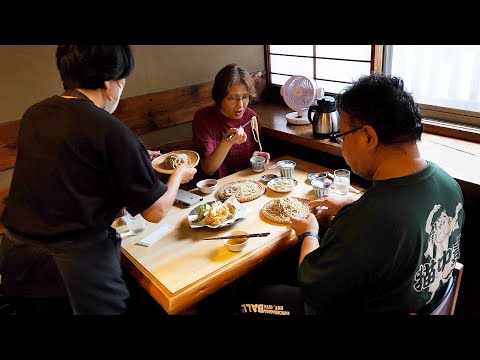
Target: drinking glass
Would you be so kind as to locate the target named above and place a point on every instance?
(341, 181)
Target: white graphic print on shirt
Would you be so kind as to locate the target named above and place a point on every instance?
(442, 258)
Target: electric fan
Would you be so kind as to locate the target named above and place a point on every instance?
(299, 92)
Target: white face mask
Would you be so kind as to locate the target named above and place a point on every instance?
(111, 105)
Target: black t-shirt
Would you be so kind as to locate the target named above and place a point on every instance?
(77, 166)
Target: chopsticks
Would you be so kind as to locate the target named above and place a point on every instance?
(241, 126)
(237, 236)
(351, 188)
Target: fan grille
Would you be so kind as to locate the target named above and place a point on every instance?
(299, 92)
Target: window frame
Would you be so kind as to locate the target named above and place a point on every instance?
(438, 120)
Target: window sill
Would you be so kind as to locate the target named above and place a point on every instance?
(460, 158)
(448, 129)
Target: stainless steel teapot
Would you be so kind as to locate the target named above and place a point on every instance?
(326, 118)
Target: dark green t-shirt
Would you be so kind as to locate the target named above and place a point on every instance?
(390, 251)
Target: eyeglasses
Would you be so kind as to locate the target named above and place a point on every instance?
(338, 137)
(235, 99)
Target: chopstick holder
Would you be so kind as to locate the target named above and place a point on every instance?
(152, 238)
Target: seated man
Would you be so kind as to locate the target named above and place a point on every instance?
(392, 249)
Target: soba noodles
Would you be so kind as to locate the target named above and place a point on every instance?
(175, 160)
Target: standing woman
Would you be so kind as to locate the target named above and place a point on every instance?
(232, 91)
(77, 166)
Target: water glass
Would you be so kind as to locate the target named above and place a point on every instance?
(258, 163)
(136, 224)
(341, 181)
(287, 168)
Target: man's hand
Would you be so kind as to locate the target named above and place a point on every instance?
(332, 202)
(302, 225)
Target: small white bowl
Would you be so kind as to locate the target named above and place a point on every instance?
(321, 186)
(235, 244)
(258, 163)
(207, 186)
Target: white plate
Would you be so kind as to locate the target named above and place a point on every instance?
(275, 186)
(300, 121)
(240, 214)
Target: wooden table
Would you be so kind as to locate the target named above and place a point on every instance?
(180, 269)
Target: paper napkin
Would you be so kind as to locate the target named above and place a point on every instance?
(156, 235)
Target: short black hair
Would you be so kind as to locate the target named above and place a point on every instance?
(381, 101)
(231, 74)
(89, 66)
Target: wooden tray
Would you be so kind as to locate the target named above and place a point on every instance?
(305, 211)
(223, 194)
(158, 162)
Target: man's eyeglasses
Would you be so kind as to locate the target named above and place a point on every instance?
(338, 137)
(235, 99)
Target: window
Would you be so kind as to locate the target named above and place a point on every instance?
(444, 80)
(332, 66)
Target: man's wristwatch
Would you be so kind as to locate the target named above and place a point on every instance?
(308, 233)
